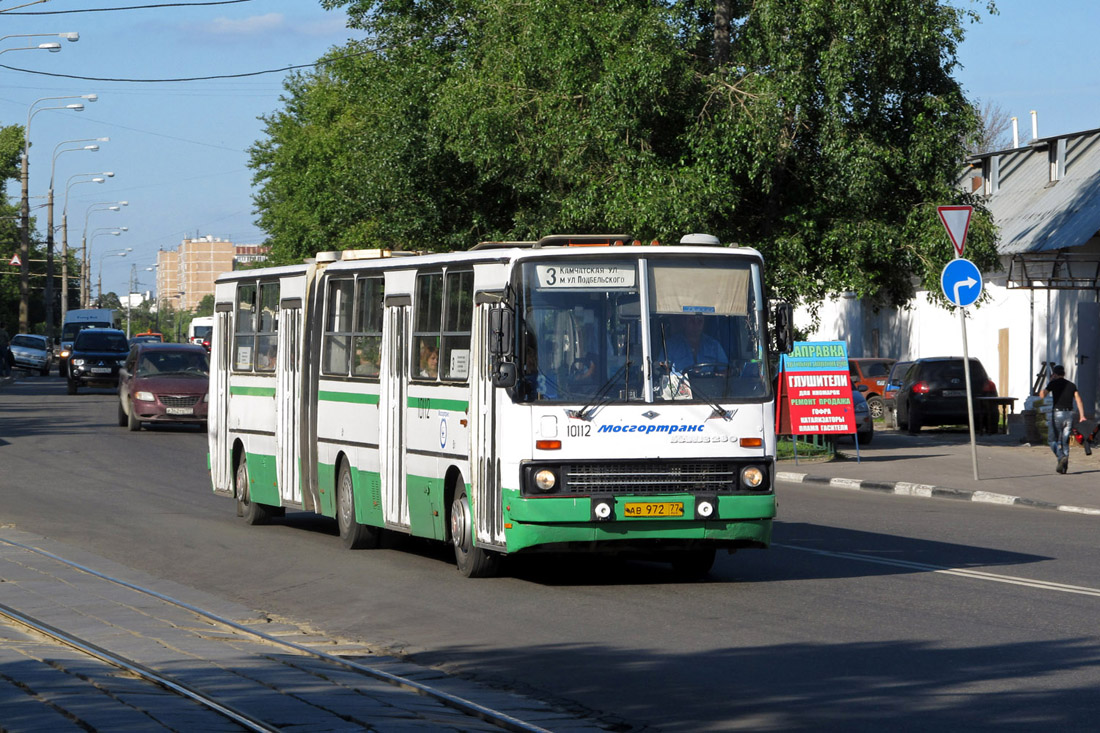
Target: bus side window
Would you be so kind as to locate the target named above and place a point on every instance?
(427, 321)
(336, 344)
(370, 292)
(267, 342)
(458, 314)
(244, 340)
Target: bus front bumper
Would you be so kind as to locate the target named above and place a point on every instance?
(560, 522)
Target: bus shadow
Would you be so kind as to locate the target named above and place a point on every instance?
(800, 551)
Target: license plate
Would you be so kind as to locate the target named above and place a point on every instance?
(101, 370)
(954, 393)
(180, 410)
(654, 509)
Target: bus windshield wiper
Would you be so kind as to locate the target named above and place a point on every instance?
(589, 409)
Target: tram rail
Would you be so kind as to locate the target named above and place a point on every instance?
(210, 700)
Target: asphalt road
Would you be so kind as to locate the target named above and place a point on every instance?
(869, 612)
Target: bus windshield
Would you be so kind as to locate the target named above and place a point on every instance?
(584, 335)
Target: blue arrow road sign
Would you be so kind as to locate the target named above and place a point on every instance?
(961, 282)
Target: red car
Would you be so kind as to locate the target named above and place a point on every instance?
(163, 383)
(871, 372)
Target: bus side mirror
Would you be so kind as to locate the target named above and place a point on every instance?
(502, 348)
(504, 374)
(501, 336)
(782, 327)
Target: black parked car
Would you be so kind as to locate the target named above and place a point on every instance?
(96, 356)
(933, 392)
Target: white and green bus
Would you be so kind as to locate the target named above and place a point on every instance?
(572, 394)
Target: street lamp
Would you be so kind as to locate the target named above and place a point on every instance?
(51, 47)
(70, 37)
(57, 151)
(109, 253)
(25, 213)
(86, 283)
(98, 177)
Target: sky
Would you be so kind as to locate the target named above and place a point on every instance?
(179, 149)
(1041, 55)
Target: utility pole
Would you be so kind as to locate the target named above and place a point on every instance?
(24, 250)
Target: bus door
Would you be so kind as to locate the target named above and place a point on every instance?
(486, 498)
(288, 402)
(221, 354)
(395, 505)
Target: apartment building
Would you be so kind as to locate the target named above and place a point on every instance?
(187, 274)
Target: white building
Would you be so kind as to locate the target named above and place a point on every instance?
(1041, 307)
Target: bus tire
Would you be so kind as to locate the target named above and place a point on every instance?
(355, 536)
(253, 512)
(693, 564)
(473, 562)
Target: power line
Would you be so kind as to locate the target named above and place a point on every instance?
(128, 7)
(187, 78)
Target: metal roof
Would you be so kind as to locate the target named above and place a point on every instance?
(1035, 214)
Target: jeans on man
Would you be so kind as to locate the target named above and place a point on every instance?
(1058, 429)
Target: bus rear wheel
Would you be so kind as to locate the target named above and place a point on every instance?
(253, 512)
(355, 536)
(473, 562)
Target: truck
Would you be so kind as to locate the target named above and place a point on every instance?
(75, 322)
(199, 331)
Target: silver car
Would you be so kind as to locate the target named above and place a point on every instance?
(32, 353)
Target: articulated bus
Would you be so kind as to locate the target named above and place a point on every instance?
(579, 393)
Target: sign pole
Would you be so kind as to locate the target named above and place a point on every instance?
(956, 220)
(969, 395)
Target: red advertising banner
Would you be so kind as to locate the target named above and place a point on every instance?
(815, 390)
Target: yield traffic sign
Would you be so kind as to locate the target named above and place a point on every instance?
(961, 282)
(956, 219)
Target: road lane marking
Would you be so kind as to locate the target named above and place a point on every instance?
(961, 572)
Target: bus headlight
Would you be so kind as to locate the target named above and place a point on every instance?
(545, 480)
(752, 477)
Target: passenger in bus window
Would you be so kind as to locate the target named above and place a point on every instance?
(429, 363)
(265, 361)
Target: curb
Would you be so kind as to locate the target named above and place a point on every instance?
(903, 488)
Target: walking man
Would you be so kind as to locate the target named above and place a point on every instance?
(1063, 396)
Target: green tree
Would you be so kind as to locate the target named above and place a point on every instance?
(206, 306)
(824, 133)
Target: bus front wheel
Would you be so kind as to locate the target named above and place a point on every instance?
(355, 536)
(253, 512)
(473, 562)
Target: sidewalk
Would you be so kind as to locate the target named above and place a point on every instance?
(938, 463)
